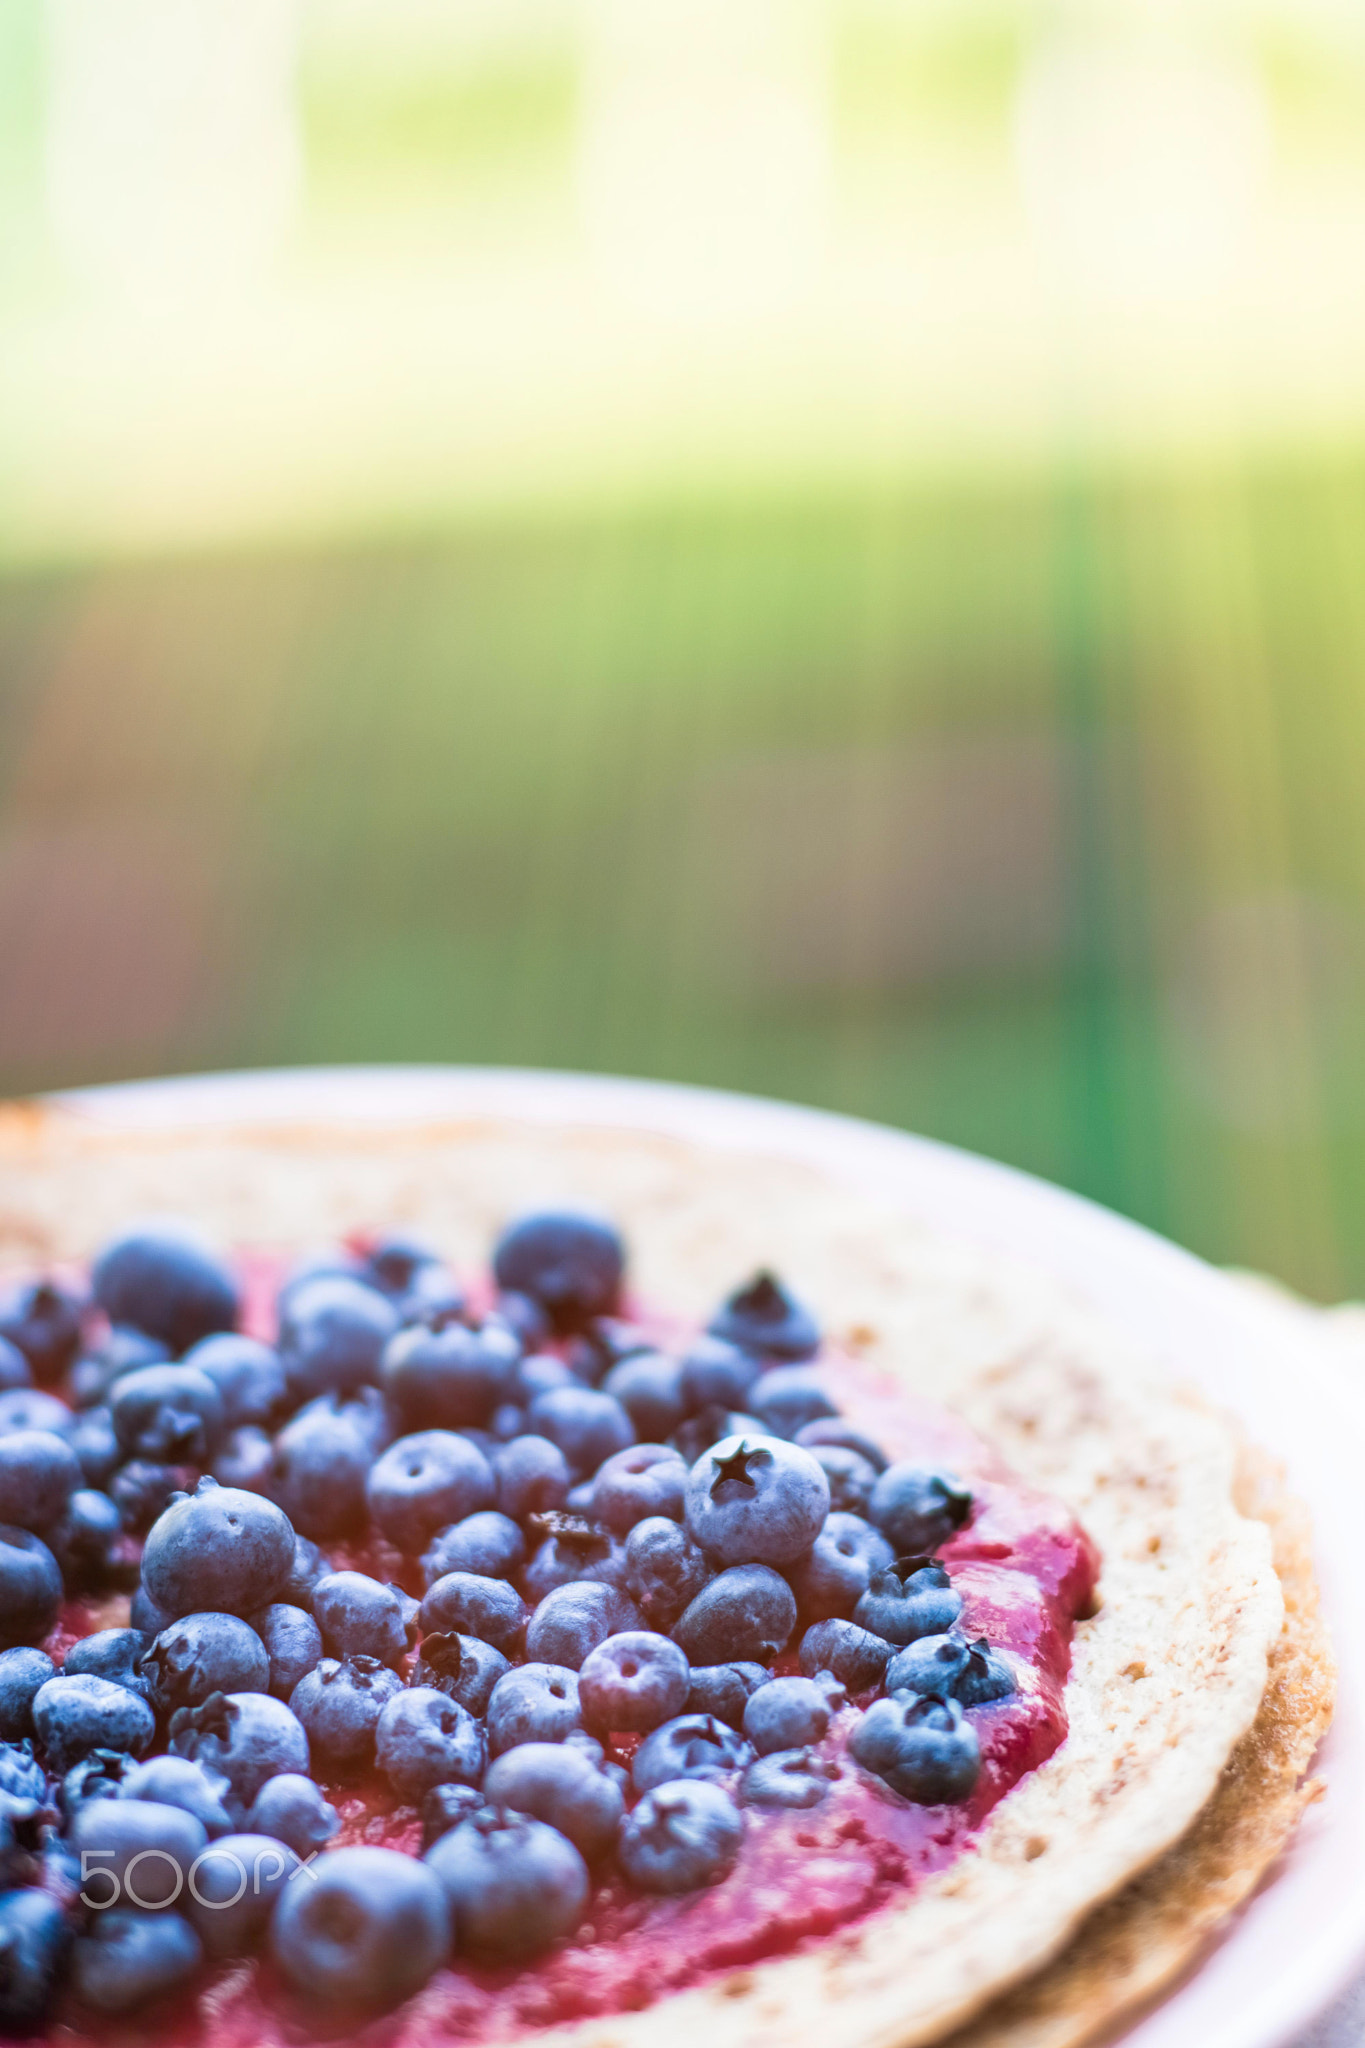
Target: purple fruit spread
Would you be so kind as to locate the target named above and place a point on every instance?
(1025, 1571)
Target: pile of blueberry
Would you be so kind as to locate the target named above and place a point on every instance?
(616, 1545)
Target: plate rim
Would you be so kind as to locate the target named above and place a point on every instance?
(1174, 1300)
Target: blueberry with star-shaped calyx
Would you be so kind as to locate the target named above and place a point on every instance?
(913, 1597)
(762, 1316)
(921, 1745)
(756, 1500)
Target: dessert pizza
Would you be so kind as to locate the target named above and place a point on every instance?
(483, 1580)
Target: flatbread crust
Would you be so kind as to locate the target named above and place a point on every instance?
(1136, 1944)
(1182, 1763)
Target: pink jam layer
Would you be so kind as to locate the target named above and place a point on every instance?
(1026, 1570)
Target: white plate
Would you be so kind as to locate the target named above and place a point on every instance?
(1301, 1940)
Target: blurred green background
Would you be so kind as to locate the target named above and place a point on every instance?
(817, 549)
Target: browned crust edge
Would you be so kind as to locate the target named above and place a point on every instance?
(1134, 1946)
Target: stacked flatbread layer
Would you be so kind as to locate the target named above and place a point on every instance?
(1199, 1688)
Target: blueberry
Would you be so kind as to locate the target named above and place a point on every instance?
(238, 1881)
(445, 1806)
(633, 1682)
(292, 1642)
(136, 1852)
(756, 1500)
(15, 1371)
(41, 1320)
(423, 1483)
(851, 1654)
(35, 1936)
(30, 1587)
(175, 1781)
(309, 1566)
(22, 1779)
(836, 1434)
(249, 1377)
(360, 1617)
(524, 1317)
(488, 1543)
(22, 1671)
(462, 1667)
(665, 1570)
(787, 1397)
(144, 1613)
(570, 1622)
(322, 1460)
(724, 1690)
(571, 1264)
(745, 1615)
(331, 1262)
(122, 1350)
(692, 1746)
(423, 1738)
(649, 1386)
(86, 1542)
(921, 1746)
(917, 1509)
(788, 1777)
(100, 1775)
(930, 1664)
(202, 1654)
(541, 1373)
(515, 1886)
(838, 1568)
(165, 1280)
(332, 1336)
(533, 1703)
(532, 1477)
(464, 1603)
(718, 1375)
(635, 1485)
(129, 1957)
(971, 1673)
(603, 1343)
(763, 1317)
(72, 1716)
(246, 1458)
(588, 1426)
(217, 1549)
(913, 1597)
(115, 1654)
(91, 1437)
(366, 1931)
(292, 1809)
(85, 1384)
(558, 1784)
(790, 1713)
(338, 1705)
(142, 1490)
(577, 1549)
(451, 1377)
(169, 1412)
(435, 1298)
(38, 1474)
(29, 1408)
(685, 1833)
(392, 1262)
(851, 1477)
(245, 1737)
(986, 1677)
